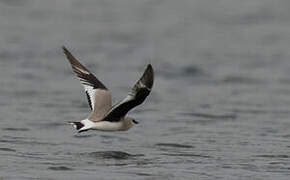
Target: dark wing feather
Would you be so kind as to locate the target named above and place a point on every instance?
(136, 96)
(98, 95)
(86, 77)
(89, 100)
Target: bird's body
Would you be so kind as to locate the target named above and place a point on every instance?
(104, 116)
(123, 124)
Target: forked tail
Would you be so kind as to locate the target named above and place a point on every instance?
(77, 125)
(83, 125)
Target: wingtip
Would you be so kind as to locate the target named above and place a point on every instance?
(65, 50)
(148, 76)
(149, 68)
(76, 125)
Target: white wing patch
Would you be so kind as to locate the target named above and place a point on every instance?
(98, 95)
(127, 98)
(90, 91)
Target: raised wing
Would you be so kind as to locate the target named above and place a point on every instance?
(98, 95)
(135, 97)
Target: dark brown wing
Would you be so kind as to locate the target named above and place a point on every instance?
(136, 96)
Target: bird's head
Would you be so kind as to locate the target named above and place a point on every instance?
(131, 121)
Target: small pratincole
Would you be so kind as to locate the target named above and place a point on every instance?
(104, 116)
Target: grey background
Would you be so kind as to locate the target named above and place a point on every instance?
(219, 109)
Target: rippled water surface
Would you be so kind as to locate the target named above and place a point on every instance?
(219, 109)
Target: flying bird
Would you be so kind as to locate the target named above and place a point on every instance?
(104, 116)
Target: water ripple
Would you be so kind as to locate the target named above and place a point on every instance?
(282, 156)
(15, 129)
(186, 155)
(210, 116)
(7, 150)
(173, 145)
(170, 71)
(118, 155)
(60, 168)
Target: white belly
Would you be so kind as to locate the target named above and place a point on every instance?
(111, 126)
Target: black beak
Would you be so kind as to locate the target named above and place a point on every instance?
(134, 121)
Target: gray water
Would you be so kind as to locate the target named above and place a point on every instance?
(219, 109)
